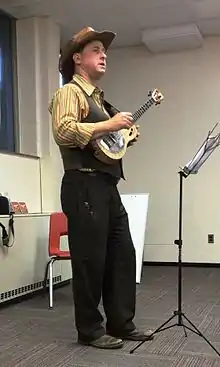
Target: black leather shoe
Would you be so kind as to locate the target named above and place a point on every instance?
(137, 335)
(104, 342)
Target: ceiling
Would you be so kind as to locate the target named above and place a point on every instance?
(162, 25)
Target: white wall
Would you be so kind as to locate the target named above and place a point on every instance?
(33, 180)
(24, 263)
(38, 180)
(18, 170)
(170, 135)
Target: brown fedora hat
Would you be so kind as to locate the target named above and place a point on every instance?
(79, 40)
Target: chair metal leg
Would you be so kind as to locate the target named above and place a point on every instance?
(45, 277)
(51, 282)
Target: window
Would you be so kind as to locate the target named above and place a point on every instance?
(7, 128)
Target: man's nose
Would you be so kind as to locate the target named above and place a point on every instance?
(103, 54)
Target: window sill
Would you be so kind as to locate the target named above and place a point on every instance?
(28, 215)
(17, 154)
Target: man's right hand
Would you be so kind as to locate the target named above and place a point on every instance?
(122, 120)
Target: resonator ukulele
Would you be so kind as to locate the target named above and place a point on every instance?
(113, 146)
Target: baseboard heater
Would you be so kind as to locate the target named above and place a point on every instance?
(24, 290)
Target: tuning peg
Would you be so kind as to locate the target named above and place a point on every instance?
(150, 93)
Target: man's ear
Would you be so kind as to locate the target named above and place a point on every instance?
(77, 58)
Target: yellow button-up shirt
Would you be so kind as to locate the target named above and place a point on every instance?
(68, 108)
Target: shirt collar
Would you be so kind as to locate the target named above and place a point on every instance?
(88, 88)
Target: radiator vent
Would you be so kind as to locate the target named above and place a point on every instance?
(13, 293)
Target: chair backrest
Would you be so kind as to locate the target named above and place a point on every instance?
(58, 228)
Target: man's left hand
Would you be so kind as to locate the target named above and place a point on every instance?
(132, 142)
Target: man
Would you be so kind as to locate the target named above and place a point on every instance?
(101, 248)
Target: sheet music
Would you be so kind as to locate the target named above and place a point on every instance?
(202, 155)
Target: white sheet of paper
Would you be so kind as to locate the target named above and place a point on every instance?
(136, 206)
(204, 152)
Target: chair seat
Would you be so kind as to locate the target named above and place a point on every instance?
(60, 253)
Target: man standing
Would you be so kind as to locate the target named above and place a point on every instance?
(101, 248)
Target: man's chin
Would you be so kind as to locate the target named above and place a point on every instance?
(100, 73)
(101, 68)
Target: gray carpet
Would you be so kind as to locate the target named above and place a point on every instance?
(33, 336)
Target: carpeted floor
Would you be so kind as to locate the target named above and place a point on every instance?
(33, 336)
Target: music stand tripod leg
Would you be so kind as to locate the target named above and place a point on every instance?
(179, 314)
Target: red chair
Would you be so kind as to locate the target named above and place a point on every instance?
(58, 228)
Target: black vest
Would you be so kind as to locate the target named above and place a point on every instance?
(76, 158)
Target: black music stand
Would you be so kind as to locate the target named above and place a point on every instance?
(208, 146)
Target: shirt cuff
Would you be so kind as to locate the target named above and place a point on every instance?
(84, 133)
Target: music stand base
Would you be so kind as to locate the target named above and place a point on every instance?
(180, 323)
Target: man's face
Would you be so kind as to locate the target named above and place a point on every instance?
(92, 59)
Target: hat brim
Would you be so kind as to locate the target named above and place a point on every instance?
(105, 37)
(66, 58)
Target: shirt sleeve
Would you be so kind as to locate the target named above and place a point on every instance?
(67, 113)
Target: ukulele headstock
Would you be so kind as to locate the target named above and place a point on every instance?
(156, 95)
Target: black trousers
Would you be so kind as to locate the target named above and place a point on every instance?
(102, 254)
